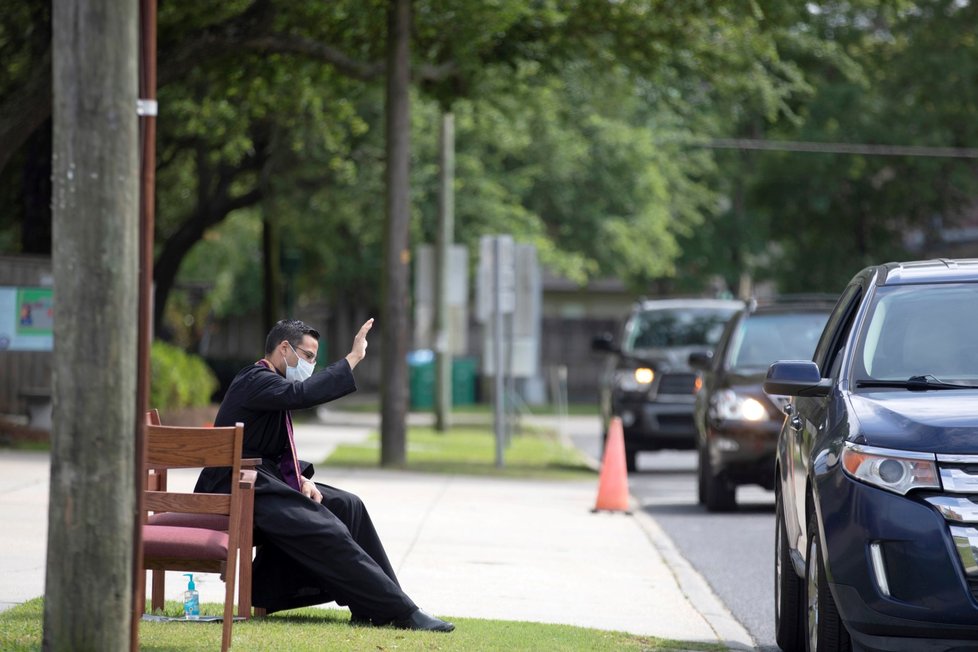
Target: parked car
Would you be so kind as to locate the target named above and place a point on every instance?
(737, 423)
(876, 543)
(648, 381)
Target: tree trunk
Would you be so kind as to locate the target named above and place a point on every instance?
(210, 213)
(271, 270)
(25, 111)
(95, 190)
(394, 312)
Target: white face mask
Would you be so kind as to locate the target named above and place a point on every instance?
(301, 371)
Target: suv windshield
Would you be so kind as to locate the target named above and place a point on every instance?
(762, 339)
(675, 327)
(920, 331)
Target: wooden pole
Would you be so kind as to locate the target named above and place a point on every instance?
(95, 189)
(147, 219)
(446, 236)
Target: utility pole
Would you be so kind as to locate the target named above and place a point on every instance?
(95, 190)
(446, 236)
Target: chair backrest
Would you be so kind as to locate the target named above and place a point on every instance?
(155, 478)
(180, 447)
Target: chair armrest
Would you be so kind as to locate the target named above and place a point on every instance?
(247, 479)
(250, 462)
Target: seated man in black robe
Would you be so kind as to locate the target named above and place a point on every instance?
(317, 543)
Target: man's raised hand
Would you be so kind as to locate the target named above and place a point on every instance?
(359, 350)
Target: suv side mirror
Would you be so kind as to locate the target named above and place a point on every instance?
(604, 342)
(796, 378)
(701, 360)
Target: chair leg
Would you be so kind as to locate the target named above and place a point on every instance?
(141, 599)
(159, 586)
(228, 607)
(244, 583)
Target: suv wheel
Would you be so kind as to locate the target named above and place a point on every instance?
(631, 457)
(826, 632)
(720, 495)
(788, 614)
(701, 477)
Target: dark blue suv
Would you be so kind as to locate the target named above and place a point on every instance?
(876, 542)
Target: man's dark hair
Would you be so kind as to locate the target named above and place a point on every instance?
(291, 330)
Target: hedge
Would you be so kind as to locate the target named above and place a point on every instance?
(179, 379)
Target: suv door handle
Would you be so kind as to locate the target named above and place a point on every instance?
(795, 422)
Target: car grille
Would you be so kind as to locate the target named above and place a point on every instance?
(959, 506)
(677, 384)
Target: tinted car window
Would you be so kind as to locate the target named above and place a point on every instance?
(667, 328)
(762, 339)
(918, 330)
(834, 336)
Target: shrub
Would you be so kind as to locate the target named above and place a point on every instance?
(179, 379)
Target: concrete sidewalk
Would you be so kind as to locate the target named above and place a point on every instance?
(462, 546)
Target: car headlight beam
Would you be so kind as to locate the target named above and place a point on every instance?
(893, 470)
(636, 380)
(729, 405)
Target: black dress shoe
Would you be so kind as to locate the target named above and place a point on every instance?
(360, 621)
(422, 621)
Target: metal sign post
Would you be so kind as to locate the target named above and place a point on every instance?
(497, 297)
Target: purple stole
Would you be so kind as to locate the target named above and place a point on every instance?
(289, 464)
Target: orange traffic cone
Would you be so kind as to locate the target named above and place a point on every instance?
(613, 482)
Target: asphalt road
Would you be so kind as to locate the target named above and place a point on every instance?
(734, 552)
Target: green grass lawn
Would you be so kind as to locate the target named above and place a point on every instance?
(351, 404)
(471, 450)
(305, 630)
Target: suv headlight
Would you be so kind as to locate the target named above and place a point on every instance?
(728, 405)
(634, 380)
(893, 470)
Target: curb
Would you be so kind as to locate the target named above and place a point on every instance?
(694, 586)
(697, 590)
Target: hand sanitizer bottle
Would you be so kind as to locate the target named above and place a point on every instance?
(191, 600)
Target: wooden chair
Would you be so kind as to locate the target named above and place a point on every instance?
(189, 548)
(156, 480)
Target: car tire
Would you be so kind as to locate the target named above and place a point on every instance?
(631, 458)
(701, 478)
(789, 614)
(720, 494)
(824, 629)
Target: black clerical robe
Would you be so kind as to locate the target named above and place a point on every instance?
(309, 553)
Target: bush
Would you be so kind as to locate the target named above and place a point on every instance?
(179, 379)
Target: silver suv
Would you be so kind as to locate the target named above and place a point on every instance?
(648, 381)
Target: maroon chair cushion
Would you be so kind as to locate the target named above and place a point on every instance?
(169, 542)
(183, 519)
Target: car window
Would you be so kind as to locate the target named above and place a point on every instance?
(675, 327)
(920, 330)
(765, 338)
(836, 331)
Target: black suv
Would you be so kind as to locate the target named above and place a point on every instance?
(876, 541)
(648, 381)
(737, 423)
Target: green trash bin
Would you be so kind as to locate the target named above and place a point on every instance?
(465, 373)
(421, 379)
